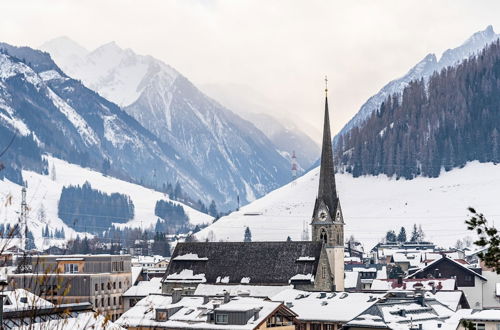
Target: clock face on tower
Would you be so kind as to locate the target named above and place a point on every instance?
(322, 215)
(337, 218)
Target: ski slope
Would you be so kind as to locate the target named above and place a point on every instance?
(42, 190)
(371, 206)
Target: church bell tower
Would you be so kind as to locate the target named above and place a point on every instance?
(327, 221)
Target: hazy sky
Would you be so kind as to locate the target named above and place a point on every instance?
(281, 49)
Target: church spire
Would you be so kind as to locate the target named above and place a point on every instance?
(327, 191)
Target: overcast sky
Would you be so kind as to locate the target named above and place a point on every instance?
(281, 49)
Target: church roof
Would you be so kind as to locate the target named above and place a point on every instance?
(327, 191)
(270, 263)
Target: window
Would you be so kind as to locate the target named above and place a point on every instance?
(109, 285)
(120, 284)
(221, 318)
(71, 268)
(114, 285)
(96, 286)
(120, 300)
(96, 302)
(102, 302)
(161, 315)
(114, 301)
(109, 301)
(480, 326)
(327, 326)
(323, 272)
(102, 286)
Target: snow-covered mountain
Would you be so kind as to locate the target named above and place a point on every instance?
(54, 114)
(231, 153)
(424, 69)
(371, 206)
(44, 192)
(257, 109)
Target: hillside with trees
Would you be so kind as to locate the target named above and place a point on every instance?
(442, 123)
(90, 210)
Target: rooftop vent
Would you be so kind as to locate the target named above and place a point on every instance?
(321, 295)
(333, 294)
(289, 304)
(324, 303)
(343, 295)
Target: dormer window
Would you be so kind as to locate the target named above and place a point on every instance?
(161, 315)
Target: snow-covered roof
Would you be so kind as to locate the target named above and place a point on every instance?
(190, 257)
(351, 280)
(328, 307)
(408, 284)
(433, 263)
(449, 298)
(484, 315)
(82, 321)
(144, 288)
(192, 312)
(186, 276)
(234, 290)
(21, 299)
(136, 272)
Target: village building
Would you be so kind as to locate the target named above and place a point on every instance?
(326, 310)
(468, 280)
(204, 312)
(316, 265)
(482, 320)
(98, 279)
(402, 310)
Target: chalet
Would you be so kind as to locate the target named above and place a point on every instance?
(467, 279)
(316, 265)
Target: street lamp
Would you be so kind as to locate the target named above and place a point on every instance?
(3, 286)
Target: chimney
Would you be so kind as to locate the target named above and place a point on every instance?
(256, 312)
(206, 299)
(176, 295)
(420, 299)
(227, 298)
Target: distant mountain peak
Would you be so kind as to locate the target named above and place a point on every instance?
(424, 69)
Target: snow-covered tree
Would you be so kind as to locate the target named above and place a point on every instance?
(53, 175)
(402, 235)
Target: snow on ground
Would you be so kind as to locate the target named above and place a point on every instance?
(44, 191)
(371, 206)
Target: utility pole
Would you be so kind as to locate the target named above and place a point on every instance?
(24, 217)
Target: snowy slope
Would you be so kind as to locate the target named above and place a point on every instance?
(424, 69)
(371, 206)
(44, 191)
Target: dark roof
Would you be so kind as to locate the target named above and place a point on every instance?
(444, 258)
(263, 262)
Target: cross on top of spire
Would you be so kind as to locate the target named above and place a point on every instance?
(326, 85)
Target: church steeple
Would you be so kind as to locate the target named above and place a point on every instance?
(327, 221)
(327, 191)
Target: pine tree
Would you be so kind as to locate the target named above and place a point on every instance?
(248, 235)
(402, 235)
(421, 234)
(212, 209)
(390, 236)
(414, 234)
(30, 241)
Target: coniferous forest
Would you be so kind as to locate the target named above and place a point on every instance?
(89, 210)
(437, 124)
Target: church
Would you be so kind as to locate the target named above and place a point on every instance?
(316, 265)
